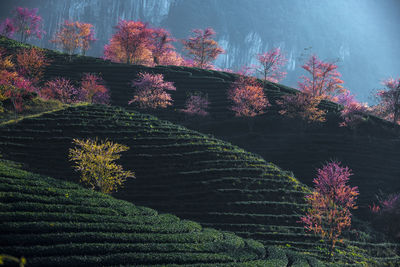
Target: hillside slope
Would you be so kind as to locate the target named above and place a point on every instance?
(372, 152)
(55, 223)
(183, 172)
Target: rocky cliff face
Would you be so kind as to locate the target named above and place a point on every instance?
(360, 34)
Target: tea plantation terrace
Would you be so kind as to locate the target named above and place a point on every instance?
(180, 171)
(372, 151)
(56, 223)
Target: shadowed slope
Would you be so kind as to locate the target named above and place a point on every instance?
(181, 171)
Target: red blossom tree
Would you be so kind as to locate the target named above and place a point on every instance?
(302, 105)
(93, 89)
(196, 104)
(270, 64)
(132, 43)
(151, 91)
(202, 48)
(31, 63)
(27, 23)
(389, 106)
(74, 35)
(248, 97)
(325, 79)
(330, 204)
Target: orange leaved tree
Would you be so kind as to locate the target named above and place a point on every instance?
(202, 48)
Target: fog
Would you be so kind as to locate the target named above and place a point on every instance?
(362, 36)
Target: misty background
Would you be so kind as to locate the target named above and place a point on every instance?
(363, 36)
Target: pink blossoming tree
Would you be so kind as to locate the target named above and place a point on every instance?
(26, 23)
(330, 203)
(196, 104)
(93, 89)
(150, 92)
(324, 81)
(390, 100)
(248, 97)
(270, 64)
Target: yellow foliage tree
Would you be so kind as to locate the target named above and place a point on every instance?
(96, 162)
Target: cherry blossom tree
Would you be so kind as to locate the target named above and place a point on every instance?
(151, 91)
(86, 34)
(13, 86)
(74, 35)
(202, 48)
(330, 203)
(16, 88)
(270, 64)
(302, 105)
(31, 63)
(353, 112)
(27, 23)
(93, 89)
(390, 100)
(196, 104)
(61, 89)
(161, 43)
(248, 97)
(325, 79)
(132, 42)
(7, 28)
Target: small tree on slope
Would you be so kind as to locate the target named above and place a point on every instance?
(202, 48)
(151, 91)
(95, 161)
(270, 64)
(390, 100)
(325, 79)
(331, 202)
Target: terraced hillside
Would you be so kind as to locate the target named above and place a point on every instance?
(183, 172)
(372, 152)
(55, 223)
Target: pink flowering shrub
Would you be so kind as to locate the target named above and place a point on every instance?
(16, 88)
(151, 92)
(93, 89)
(302, 105)
(389, 106)
(353, 112)
(61, 89)
(196, 104)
